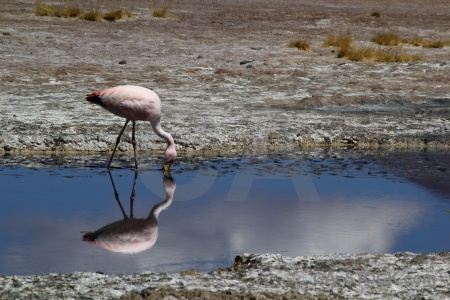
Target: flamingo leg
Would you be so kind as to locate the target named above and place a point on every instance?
(133, 141)
(116, 195)
(118, 141)
(133, 195)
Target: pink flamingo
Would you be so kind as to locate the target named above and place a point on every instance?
(135, 103)
(131, 235)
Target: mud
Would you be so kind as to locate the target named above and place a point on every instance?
(257, 276)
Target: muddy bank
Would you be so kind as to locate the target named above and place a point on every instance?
(264, 276)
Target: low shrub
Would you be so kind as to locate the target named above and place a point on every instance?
(162, 11)
(340, 39)
(117, 15)
(299, 44)
(43, 9)
(387, 39)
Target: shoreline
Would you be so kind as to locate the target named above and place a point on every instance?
(265, 276)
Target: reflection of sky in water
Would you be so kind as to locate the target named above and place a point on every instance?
(220, 209)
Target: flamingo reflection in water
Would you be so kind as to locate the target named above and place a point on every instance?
(131, 235)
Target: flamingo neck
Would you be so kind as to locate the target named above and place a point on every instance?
(170, 153)
(159, 131)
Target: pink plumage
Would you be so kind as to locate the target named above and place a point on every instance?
(135, 103)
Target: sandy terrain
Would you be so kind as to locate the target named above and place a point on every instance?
(228, 81)
(283, 98)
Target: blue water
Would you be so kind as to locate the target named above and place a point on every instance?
(221, 207)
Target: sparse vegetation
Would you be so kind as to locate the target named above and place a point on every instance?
(299, 44)
(387, 39)
(116, 15)
(70, 12)
(93, 15)
(393, 39)
(376, 14)
(394, 55)
(429, 43)
(346, 49)
(341, 39)
(378, 54)
(46, 10)
(162, 11)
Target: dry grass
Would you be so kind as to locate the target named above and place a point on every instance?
(299, 44)
(70, 12)
(117, 15)
(340, 39)
(346, 49)
(394, 55)
(387, 39)
(377, 54)
(43, 9)
(429, 43)
(393, 39)
(162, 11)
(93, 15)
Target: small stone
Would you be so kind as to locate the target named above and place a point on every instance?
(122, 62)
(247, 61)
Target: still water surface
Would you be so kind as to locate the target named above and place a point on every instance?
(221, 208)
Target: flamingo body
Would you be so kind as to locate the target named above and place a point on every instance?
(129, 102)
(135, 103)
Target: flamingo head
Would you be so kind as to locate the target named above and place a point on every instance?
(169, 158)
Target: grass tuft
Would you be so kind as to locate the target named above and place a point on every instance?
(300, 45)
(387, 39)
(70, 12)
(394, 55)
(429, 43)
(377, 54)
(162, 12)
(341, 39)
(93, 15)
(346, 49)
(43, 9)
(117, 15)
(392, 39)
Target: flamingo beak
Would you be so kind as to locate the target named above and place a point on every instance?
(167, 166)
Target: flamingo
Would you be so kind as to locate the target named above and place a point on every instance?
(131, 235)
(135, 103)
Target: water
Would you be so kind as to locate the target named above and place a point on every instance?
(292, 204)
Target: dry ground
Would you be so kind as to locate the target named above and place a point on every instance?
(225, 75)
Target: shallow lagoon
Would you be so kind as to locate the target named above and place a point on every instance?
(289, 203)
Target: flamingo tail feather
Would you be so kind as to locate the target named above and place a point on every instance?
(95, 98)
